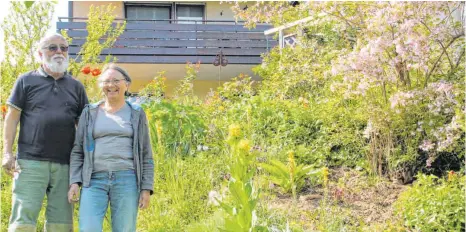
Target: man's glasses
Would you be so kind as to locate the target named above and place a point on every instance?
(54, 48)
(113, 82)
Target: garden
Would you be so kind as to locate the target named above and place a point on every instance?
(357, 126)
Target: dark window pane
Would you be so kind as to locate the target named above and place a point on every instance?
(148, 13)
(190, 11)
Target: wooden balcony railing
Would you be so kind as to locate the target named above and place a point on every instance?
(178, 41)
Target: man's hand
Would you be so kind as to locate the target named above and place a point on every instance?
(73, 193)
(9, 132)
(8, 163)
(144, 199)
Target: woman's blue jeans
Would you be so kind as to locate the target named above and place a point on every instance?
(118, 188)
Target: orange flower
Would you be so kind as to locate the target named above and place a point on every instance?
(86, 70)
(451, 175)
(4, 109)
(96, 72)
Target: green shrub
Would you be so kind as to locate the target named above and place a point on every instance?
(434, 204)
(174, 128)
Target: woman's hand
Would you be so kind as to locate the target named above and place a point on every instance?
(73, 193)
(144, 199)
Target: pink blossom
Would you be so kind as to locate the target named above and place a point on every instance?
(427, 145)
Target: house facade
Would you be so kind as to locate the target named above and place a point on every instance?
(164, 36)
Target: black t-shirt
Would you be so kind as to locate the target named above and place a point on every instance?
(49, 110)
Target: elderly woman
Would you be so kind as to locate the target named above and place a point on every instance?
(111, 158)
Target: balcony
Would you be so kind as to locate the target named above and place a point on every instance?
(178, 41)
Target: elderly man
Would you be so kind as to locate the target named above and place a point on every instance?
(47, 103)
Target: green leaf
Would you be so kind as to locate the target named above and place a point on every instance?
(28, 4)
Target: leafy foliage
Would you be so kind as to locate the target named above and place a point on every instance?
(290, 178)
(434, 204)
(155, 90)
(22, 29)
(102, 34)
(176, 128)
(241, 205)
(184, 92)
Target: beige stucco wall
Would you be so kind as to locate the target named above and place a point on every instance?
(201, 88)
(81, 8)
(142, 74)
(212, 9)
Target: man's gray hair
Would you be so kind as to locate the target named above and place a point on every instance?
(45, 40)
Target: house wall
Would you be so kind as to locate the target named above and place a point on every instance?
(212, 9)
(200, 88)
(142, 74)
(81, 8)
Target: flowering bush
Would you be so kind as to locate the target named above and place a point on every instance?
(404, 69)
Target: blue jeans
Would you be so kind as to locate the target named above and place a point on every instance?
(118, 188)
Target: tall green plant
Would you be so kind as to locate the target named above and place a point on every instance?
(155, 90)
(102, 33)
(176, 128)
(184, 93)
(22, 28)
(241, 205)
(290, 178)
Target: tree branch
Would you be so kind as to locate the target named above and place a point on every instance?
(446, 53)
(429, 73)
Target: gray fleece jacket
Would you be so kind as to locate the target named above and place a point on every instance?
(81, 161)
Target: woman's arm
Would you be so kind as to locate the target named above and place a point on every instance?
(77, 153)
(147, 180)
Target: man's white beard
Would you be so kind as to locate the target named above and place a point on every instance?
(54, 66)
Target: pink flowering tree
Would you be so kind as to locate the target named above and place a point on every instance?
(400, 63)
(408, 68)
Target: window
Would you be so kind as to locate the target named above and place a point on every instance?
(164, 11)
(189, 12)
(152, 12)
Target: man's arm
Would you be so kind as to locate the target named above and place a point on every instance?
(9, 134)
(9, 129)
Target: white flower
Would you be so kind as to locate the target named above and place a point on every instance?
(368, 130)
(214, 198)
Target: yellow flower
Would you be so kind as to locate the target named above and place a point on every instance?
(325, 175)
(234, 131)
(451, 175)
(158, 125)
(244, 145)
(291, 164)
(148, 115)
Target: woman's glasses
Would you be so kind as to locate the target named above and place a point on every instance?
(113, 82)
(54, 48)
